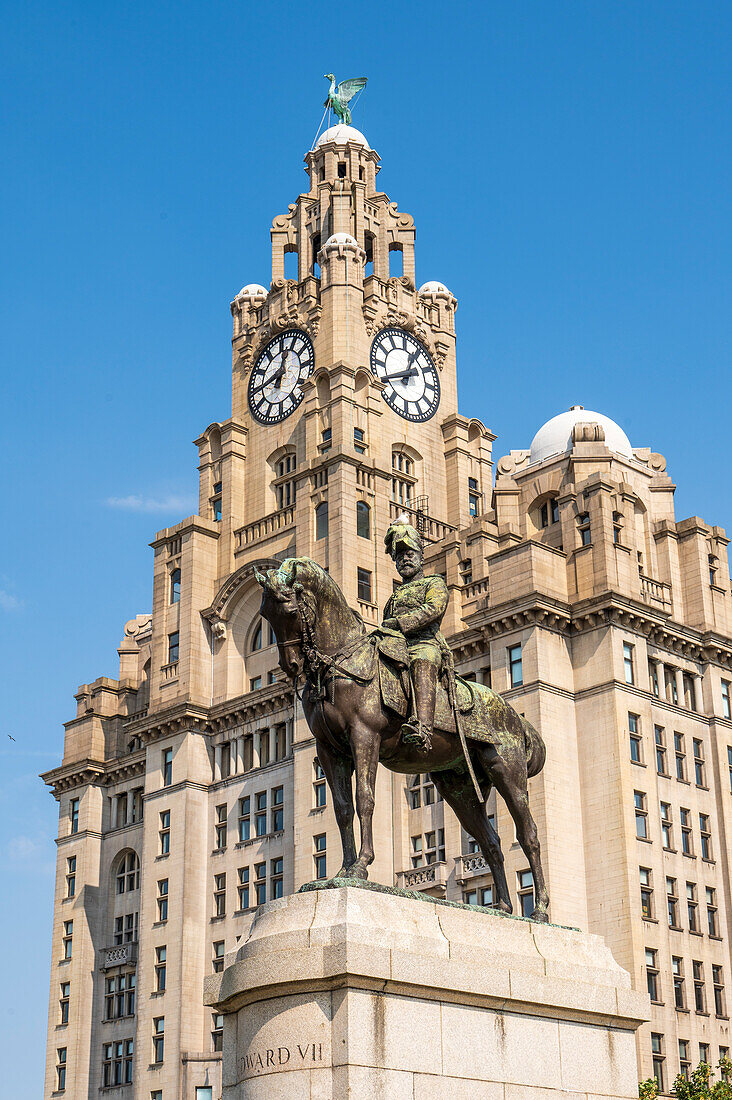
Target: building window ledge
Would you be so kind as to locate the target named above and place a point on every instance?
(693, 933)
(709, 861)
(317, 811)
(650, 920)
(675, 928)
(218, 851)
(217, 920)
(718, 939)
(243, 912)
(685, 1010)
(163, 855)
(671, 851)
(159, 924)
(639, 764)
(698, 1013)
(642, 839)
(722, 1017)
(157, 993)
(684, 782)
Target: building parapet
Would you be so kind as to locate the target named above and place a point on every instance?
(431, 529)
(265, 528)
(470, 866)
(122, 954)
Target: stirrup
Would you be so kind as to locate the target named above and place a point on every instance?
(413, 733)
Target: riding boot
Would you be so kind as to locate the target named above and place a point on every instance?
(418, 729)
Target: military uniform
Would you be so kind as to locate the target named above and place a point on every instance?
(416, 609)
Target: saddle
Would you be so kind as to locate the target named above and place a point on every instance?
(392, 665)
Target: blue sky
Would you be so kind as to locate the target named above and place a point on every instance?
(567, 166)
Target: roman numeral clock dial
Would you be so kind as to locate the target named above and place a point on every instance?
(411, 385)
(275, 384)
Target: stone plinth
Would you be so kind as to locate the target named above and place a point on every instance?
(346, 992)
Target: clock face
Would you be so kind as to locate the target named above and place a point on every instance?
(275, 384)
(411, 385)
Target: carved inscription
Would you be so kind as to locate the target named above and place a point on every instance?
(298, 1056)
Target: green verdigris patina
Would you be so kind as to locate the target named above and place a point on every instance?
(359, 688)
(339, 97)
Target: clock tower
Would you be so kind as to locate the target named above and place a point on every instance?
(344, 396)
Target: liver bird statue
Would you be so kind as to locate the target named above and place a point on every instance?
(339, 97)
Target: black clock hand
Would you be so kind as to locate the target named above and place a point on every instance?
(272, 378)
(402, 374)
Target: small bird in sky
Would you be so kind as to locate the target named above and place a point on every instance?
(11, 737)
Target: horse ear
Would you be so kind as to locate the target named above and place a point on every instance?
(260, 578)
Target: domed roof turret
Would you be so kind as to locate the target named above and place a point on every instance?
(433, 287)
(252, 290)
(341, 135)
(555, 437)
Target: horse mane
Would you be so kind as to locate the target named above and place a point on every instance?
(321, 586)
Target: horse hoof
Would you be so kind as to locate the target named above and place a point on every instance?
(540, 916)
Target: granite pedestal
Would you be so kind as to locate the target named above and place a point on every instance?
(353, 992)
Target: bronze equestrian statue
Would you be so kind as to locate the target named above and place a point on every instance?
(378, 696)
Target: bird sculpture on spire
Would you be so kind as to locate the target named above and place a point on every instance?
(339, 97)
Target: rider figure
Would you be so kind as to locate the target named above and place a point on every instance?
(416, 610)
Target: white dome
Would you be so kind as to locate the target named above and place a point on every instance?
(555, 437)
(252, 290)
(341, 238)
(341, 134)
(433, 287)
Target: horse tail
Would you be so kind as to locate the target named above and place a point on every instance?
(535, 749)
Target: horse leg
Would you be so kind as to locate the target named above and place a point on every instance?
(365, 749)
(338, 771)
(457, 790)
(514, 792)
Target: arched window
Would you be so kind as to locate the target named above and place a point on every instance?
(549, 513)
(175, 586)
(128, 873)
(257, 637)
(363, 520)
(321, 520)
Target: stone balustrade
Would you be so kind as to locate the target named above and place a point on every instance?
(261, 529)
(655, 592)
(431, 529)
(470, 865)
(432, 878)
(122, 954)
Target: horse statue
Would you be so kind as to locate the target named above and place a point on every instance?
(355, 698)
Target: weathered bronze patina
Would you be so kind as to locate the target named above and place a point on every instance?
(360, 686)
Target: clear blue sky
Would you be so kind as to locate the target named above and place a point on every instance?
(567, 166)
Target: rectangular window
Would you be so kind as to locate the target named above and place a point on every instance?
(628, 663)
(117, 1063)
(74, 815)
(60, 1069)
(680, 754)
(658, 1059)
(698, 749)
(720, 1007)
(220, 895)
(164, 833)
(635, 738)
(218, 956)
(660, 750)
(652, 975)
(276, 876)
(319, 795)
(280, 737)
(70, 876)
(583, 528)
(255, 683)
(646, 893)
(260, 817)
(712, 923)
(68, 938)
(525, 893)
(160, 968)
(217, 1031)
(667, 837)
(669, 680)
(363, 577)
(515, 666)
(689, 691)
(684, 1058)
(686, 845)
(220, 829)
(63, 1003)
(244, 819)
(726, 699)
(672, 901)
(278, 809)
(263, 742)
(700, 997)
(704, 1053)
(260, 882)
(125, 929)
(173, 647)
(167, 767)
(158, 1039)
(692, 906)
(359, 440)
(641, 815)
(653, 678)
(482, 895)
(319, 856)
(705, 836)
(417, 851)
(243, 888)
(162, 899)
(677, 969)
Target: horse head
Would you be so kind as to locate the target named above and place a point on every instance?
(300, 596)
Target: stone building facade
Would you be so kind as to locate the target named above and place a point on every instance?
(189, 789)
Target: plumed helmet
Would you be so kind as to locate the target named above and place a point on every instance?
(401, 534)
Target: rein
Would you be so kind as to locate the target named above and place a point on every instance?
(318, 665)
